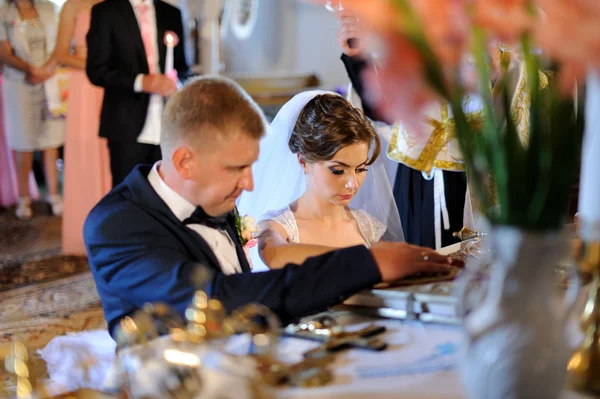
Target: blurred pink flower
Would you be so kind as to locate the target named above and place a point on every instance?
(568, 32)
(447, 28)
(445, 23)
(398, 86)
(247, 235)
(468, 75)
(251, 243)
(376, 15)
(504, 20)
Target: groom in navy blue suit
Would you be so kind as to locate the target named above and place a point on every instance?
(148, 236)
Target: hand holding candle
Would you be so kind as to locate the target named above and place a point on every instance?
(171, 40)
(348, 29)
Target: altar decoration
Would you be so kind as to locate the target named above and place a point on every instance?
(206, 355)
(520, 151)
(584, 366)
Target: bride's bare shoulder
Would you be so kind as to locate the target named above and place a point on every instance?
(280, 221)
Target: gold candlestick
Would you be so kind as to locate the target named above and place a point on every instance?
(584, 366)
(17, 366)
(467, 234)
(205, 317)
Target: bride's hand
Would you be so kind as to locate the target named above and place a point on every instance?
(397, 260)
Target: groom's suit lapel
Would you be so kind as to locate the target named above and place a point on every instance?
(142, 193)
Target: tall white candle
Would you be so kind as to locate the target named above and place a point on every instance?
(589, 191)
(170, 43)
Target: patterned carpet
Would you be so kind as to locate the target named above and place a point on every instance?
(43, 293)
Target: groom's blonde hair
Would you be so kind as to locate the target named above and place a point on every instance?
(208, 110)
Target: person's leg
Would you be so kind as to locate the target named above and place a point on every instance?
(50, 156)
(414, 199)
(124, 157)
(455, 187)
(24, 163)
(50, 170)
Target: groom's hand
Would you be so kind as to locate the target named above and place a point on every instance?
(397, 260)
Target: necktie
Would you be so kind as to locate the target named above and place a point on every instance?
(200, 217)
(145, 29)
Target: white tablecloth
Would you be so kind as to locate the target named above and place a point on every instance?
(420, 363)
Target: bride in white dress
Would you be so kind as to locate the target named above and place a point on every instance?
(321, 183)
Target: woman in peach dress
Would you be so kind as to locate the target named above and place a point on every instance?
(9, 189)
(87, 170)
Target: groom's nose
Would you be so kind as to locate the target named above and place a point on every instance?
(247, 181)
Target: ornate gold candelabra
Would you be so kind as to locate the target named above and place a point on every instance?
(206, 323)
(584, 365)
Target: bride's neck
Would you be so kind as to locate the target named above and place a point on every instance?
(313, 207)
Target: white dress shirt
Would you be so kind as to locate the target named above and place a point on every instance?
(218, 240)
(151, 131)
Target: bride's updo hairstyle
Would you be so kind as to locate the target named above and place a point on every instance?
(329, 123)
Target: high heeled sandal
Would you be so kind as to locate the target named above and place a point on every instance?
(56, 204)
(23, 210)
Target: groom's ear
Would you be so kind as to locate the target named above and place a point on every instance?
(182, 161)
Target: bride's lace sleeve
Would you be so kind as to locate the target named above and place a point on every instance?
(286, 219)
(371, 228)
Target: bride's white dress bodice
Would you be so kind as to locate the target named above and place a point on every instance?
(371, 229)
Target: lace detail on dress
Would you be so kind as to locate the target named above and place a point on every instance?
(371, 228)
(285, 217)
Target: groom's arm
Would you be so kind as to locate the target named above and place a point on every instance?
(296, 291)
(141, 262)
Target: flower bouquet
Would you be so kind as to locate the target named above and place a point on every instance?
(521, 153)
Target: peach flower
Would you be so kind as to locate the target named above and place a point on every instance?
(398, 86)
(568, 32)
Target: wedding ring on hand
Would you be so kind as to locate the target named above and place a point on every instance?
(425, 256)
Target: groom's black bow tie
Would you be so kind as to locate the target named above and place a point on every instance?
(200, 217)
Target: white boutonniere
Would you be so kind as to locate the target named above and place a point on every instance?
(246, 227)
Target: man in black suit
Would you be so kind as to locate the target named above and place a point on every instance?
(126, 56)
(146, 238)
